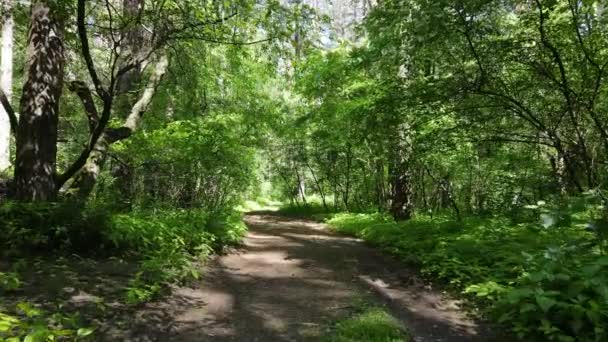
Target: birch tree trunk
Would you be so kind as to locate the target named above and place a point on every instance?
(402, 204)
(36, 148)
(6, 81)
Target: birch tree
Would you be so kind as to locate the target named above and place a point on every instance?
(6, 81)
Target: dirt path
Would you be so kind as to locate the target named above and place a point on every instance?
(291, 279)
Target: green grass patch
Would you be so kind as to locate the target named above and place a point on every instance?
(372, 324)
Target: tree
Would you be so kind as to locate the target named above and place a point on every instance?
(124, 56)
(6, 80)
(402, 197)
(36, 148)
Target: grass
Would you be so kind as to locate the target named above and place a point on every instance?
(372, 324)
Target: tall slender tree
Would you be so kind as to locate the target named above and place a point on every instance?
(6, 80)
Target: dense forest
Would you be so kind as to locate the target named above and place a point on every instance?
(466, 139)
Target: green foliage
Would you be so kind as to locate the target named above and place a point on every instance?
(9, 281)
(31, 324)
(353, 224)
(43, 227)
(545, 282)
(171, 244)
(371, 324)
(309, 210)
(561, 296)
(483, 109)
(189, 163)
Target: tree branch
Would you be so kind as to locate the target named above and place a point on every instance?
(9, 111)
(84, 93)
(144, 101)
(86, 51)
(131, 123)
(226, 42)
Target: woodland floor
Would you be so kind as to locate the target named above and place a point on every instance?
(290, 281)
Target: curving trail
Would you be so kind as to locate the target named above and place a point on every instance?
(289, 281)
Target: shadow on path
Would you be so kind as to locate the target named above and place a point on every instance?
(288, 282)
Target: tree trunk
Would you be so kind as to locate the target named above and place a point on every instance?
(301, 186)
(128, 86)
(318, 185)
(380, 186)
(132, 47)
(6, 81)
(402, 205)
(349, 162)
(35, 161)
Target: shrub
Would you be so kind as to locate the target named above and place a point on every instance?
(168, 243)
(43, 227)
(29, 323)
(560, 297)
(543, 282)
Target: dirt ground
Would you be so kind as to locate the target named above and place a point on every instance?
(289, 282)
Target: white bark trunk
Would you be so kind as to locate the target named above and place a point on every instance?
(6, 81)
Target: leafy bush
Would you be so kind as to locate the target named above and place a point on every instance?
(560, 297)
(355, 224)
(545, 282)
(170, 243)
(29, 323)
(310, 210)
(42, 227)
(9, 281)
(198, 163)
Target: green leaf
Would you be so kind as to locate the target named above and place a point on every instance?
(84, 332)
(527, 308)
(29, 310)
(64, 332)
(545, 303)
(603, 261)
(5, 326)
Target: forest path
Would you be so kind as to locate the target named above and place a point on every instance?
(290, 280)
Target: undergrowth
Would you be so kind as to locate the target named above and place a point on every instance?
(542, 281)
(167, 244)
